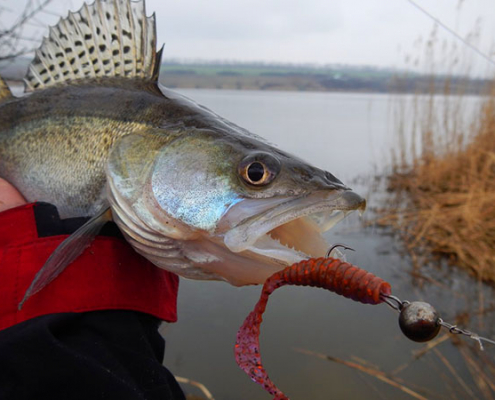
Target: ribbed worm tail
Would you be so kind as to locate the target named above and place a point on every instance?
(327, 273)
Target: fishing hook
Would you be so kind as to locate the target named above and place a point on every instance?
(336, 245)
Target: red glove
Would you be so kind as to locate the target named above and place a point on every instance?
(108, 275)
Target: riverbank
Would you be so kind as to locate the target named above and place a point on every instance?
(291, 77)
(442, 185)
(310, 78)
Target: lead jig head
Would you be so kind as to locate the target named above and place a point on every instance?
(419, 321)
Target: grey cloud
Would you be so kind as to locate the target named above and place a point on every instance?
(319, 31)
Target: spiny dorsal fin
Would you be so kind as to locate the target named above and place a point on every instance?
(5, 92)
(108, 38)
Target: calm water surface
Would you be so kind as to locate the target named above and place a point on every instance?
(349, 135)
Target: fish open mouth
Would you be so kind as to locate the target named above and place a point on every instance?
(289, 230)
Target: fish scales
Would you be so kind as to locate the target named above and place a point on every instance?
(192, 192)
(69, 128)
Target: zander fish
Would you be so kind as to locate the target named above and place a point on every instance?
(192, 192)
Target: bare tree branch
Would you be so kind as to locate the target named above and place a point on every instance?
(13, 41)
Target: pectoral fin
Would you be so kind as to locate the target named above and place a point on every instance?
(68, 251)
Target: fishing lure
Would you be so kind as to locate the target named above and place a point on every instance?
(327, 273)
(418, 321)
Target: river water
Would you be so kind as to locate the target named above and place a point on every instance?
(351, 136)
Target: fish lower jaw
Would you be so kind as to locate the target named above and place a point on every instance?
(272, 248)
(298, 239)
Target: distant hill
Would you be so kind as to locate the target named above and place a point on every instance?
(343, 78)
(265, 76)
(274, 77)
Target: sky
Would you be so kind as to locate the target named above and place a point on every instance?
(381, 33)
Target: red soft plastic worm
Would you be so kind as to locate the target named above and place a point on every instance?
(327, 273)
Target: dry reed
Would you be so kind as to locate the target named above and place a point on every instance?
(444, 193)
(443, 169)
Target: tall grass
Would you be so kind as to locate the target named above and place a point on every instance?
(442, 178)
(442, 200)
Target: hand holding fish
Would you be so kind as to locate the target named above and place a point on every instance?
(9, 196)
(100, 138)
(192, 192)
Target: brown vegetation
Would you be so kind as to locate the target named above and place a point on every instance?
(478, 383)
(444, 194)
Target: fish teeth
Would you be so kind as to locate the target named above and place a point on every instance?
(289, 246)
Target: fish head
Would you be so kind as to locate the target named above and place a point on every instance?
(207, 205)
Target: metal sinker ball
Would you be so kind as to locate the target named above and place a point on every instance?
(419, 321)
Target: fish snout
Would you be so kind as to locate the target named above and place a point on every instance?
(352, 201)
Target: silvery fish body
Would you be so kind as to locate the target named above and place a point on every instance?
(192, 192)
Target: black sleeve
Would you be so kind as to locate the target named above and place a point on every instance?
(93, 355)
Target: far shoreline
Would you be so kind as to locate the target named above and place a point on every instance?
(295, 78)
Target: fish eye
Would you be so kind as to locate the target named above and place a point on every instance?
(259, 169)
(256, 172)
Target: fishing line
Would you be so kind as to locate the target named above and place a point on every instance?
(418, 320)
(452, 32)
